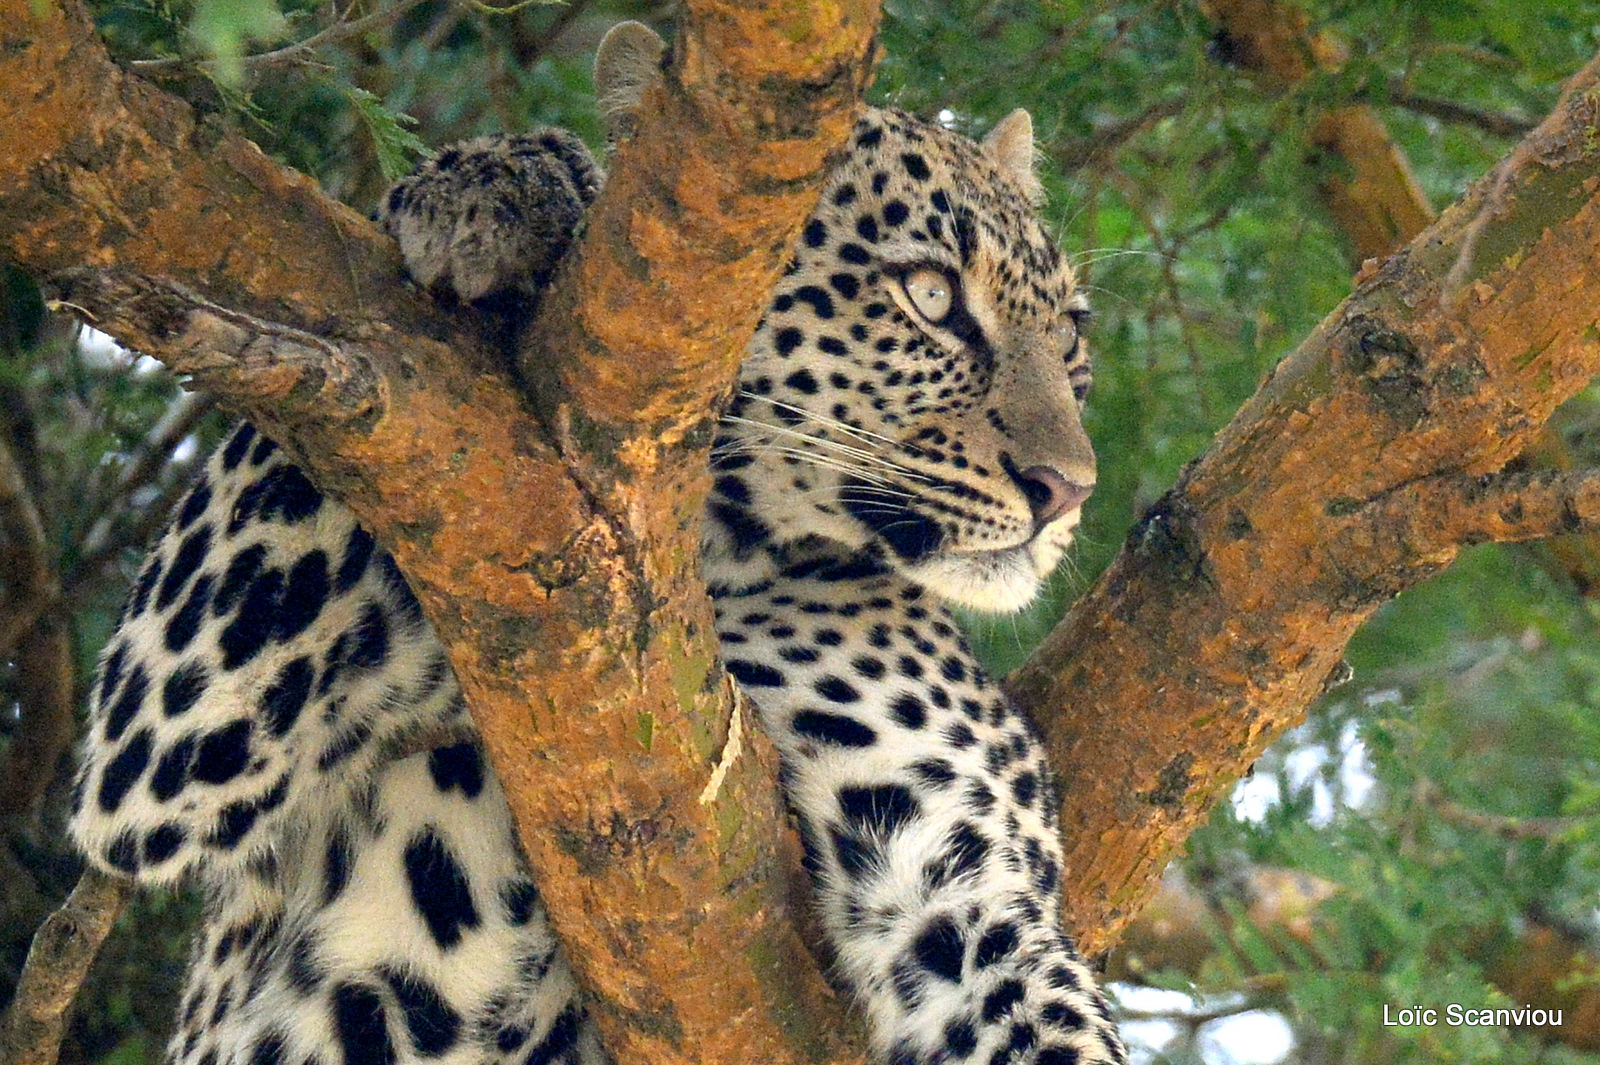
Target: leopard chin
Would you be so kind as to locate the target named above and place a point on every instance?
(999, 581)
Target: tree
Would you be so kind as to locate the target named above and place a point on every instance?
(1358, 469)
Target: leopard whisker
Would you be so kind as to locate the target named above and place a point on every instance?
(878, 439)
(809, 437)
(811, 458)
(1089, 256)
(846, 451)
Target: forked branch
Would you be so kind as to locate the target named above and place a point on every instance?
(567, 620)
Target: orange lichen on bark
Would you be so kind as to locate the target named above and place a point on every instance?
(556, 556)
(698, 221)
(1234, 598)
(97, 168)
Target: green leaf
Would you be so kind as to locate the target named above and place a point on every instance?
(395, 145)
(224, 27)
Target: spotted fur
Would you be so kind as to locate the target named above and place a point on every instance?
(275, 721)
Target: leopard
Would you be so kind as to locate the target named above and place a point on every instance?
(275, 722)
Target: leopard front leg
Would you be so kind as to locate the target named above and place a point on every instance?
(275, 719)
(927, 814)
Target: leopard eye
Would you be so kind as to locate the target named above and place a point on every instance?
(931, 293)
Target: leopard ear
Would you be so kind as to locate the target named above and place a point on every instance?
(626, 65)
(1010, 145)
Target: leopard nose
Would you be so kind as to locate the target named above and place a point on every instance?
(1049, 493)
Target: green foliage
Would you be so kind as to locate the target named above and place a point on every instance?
(223, 28)
(396, 146)
(1447, 802)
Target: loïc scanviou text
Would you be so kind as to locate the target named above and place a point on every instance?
(1456, 1015)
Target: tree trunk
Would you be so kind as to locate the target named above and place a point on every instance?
(556, 557)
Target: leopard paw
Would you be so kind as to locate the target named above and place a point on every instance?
(493, 216)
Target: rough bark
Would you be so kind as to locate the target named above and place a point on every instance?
(555, 557)
(1234, 597)
(62, 951)
(1378, 208)
(1369, 189)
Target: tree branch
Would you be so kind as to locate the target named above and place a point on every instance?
(1537, 962)
(1235, 596)
(46, 697)
(341, 29)
(1428, 794)
(27, 572)
(1106, 139)
(1499, 123)
(1443, 512)
(1371, 192)
(555, 556)
(33, 636)
(63, 949)
(101, 542)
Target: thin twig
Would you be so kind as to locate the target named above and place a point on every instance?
(529, 50)
(63, 950)
(1169, 280)
(1108, 138)
(154, 452)
(509, 9)
(443, 26)
(89, 575)
(1499, 123)
(340, 30)
(1194, 1016)
(1475, 53)
(26, 569)
(1503, 825)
